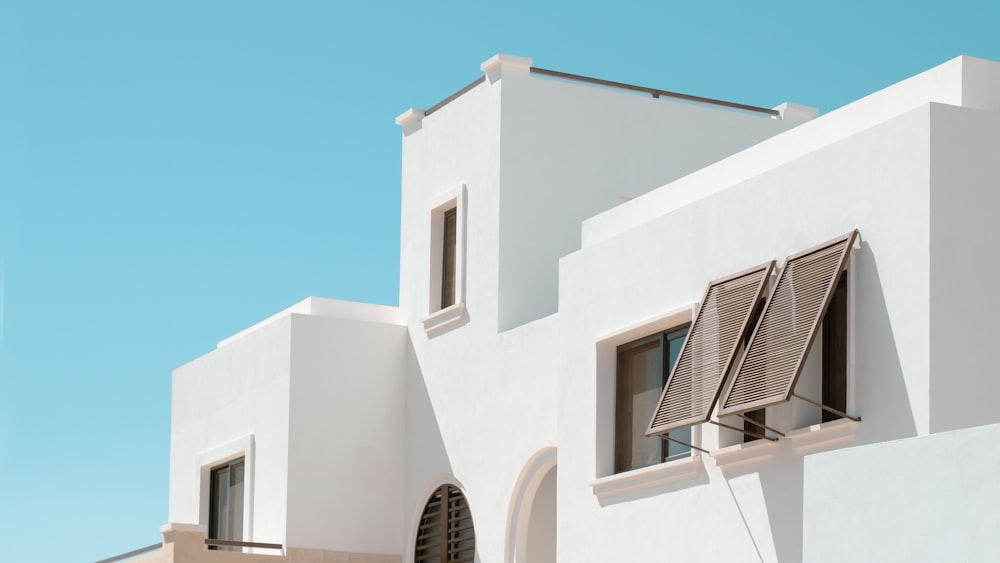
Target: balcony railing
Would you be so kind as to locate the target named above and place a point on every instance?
(208, 542)
(133, 553)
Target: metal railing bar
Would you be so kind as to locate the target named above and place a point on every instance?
(656, 93)
(132, 553)
(447, 100)
(826, 408)
(231, 543)
(748, 433)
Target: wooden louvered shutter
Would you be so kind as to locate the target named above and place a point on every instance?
(445, 533)
(697, 378)
(778, 348)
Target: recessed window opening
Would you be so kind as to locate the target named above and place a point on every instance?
(808, 305)
(226, 503)
(449, 248)
(835, 352)
(643, 367)
(446, 532)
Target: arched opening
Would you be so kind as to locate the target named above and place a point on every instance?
(445, 532)
(540, 543)
(531, 524)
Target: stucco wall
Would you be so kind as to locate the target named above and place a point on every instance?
(750, 509)
(917, 499)
(313, 397)
(571, 150)
(965, 196)
(346, 463)
(479, 404)
(234, 395)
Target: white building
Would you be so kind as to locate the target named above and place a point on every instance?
(564, 241)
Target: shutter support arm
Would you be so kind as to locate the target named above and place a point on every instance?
(692, 446)
(761, 425)
(747, 432)
(826, 408)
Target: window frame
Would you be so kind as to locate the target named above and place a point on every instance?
(606, 347)
(742, 404)
(662, 340)
(213, 504)
(440, 315)
(243, 447)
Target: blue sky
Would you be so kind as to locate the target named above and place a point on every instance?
(173, 172)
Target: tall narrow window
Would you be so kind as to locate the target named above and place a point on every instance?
(643, 367)
(226, 505)
(835, 352)
(446, 532)
(448, 251)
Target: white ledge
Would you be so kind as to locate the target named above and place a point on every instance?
(409, 116)
(447, 317)
(647, 477)
(835, 430)
(744, 452)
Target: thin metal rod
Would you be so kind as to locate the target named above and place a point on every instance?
(761, 425)
(445, 101)
(656, 93)
(692, 446)
(231, 543)
(133, 553)
(826, 408)
(747, 432)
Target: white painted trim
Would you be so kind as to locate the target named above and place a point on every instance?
(823, 435)
(607, 365)
(744, 451)
(652, 476)
(454, 197)
(208, 459)
(661, 322)
(437, 322)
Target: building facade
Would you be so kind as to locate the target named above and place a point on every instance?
(632, 326)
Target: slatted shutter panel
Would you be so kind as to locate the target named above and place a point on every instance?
(445, 533)
(778, 349)
(450, 240)
(696, 380)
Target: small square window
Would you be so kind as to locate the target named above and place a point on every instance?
(643, 367)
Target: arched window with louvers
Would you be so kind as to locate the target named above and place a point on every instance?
(446, 533)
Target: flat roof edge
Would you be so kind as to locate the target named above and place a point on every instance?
(962, 81)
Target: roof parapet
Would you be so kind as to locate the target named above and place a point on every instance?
(789, 110)
(495, 66)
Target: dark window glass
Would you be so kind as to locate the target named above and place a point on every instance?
(643, 368)
(450, 237)
(226, 502)
(835, 352)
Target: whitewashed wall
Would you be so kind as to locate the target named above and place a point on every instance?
(965, 243)
(235, 392)
(907, 500)
(652, 258)
(570, 151)
(317, 392)
(535, 157)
